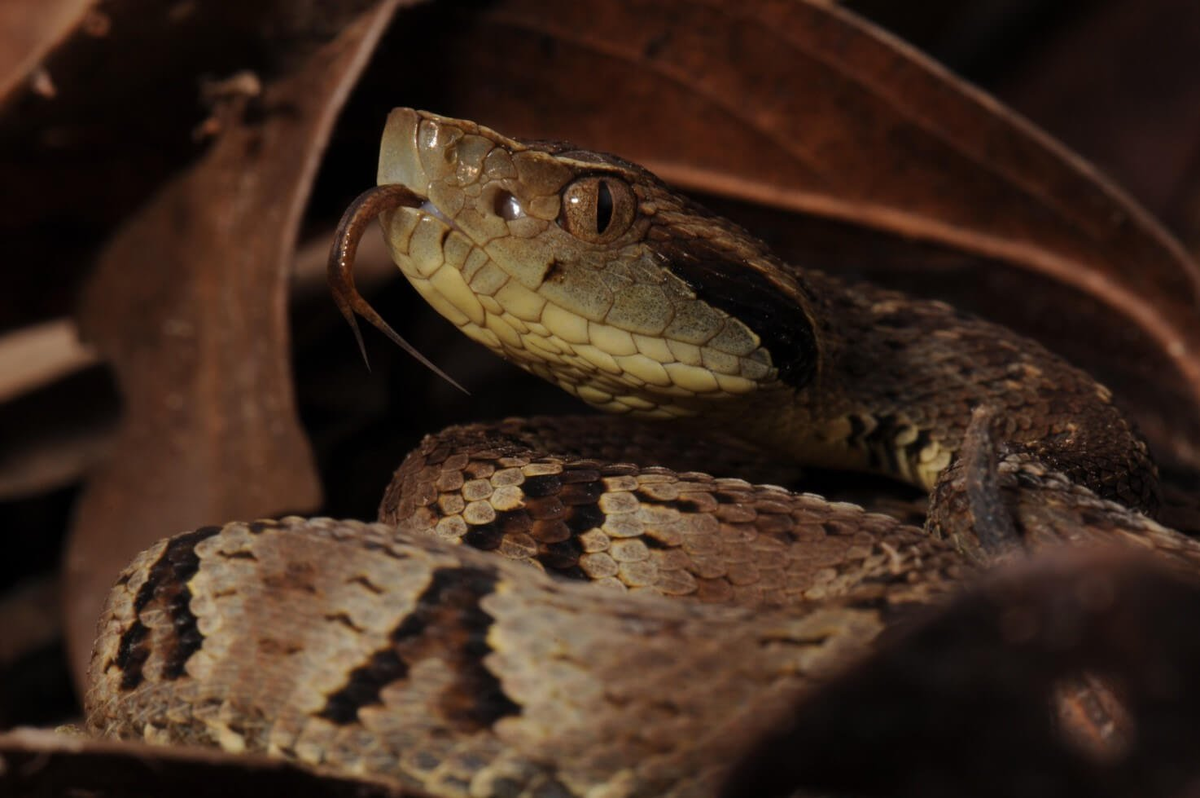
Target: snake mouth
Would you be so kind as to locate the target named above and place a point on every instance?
(429, 209)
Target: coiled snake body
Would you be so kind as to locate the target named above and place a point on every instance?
(389, 652)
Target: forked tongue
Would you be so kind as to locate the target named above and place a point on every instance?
(362, 211)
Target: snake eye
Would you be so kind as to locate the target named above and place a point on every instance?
(597, 209)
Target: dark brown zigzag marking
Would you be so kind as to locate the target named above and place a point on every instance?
(165, 588)
(557, 508)
(449, 623)
(880, 442)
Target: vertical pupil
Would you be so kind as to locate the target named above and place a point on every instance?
(604, 207)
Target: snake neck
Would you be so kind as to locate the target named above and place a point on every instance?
(889, 383)
(898, 379)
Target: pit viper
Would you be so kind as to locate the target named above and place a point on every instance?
(607, 605)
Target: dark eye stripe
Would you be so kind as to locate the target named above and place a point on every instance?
(725, 282)
(604, 207)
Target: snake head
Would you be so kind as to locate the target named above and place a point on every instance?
(588, 271)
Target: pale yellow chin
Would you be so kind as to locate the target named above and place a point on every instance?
(610, 368)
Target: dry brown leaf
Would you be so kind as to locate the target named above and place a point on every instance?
(803, 107)
(1121, 86)
(189, 303)
(54, 454)
(39, 354)
(29, 31)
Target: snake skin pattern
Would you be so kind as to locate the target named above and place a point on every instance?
(678, 611)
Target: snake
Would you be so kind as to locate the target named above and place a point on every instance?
(615, 604)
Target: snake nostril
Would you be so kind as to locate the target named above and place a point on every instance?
(506, 205)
